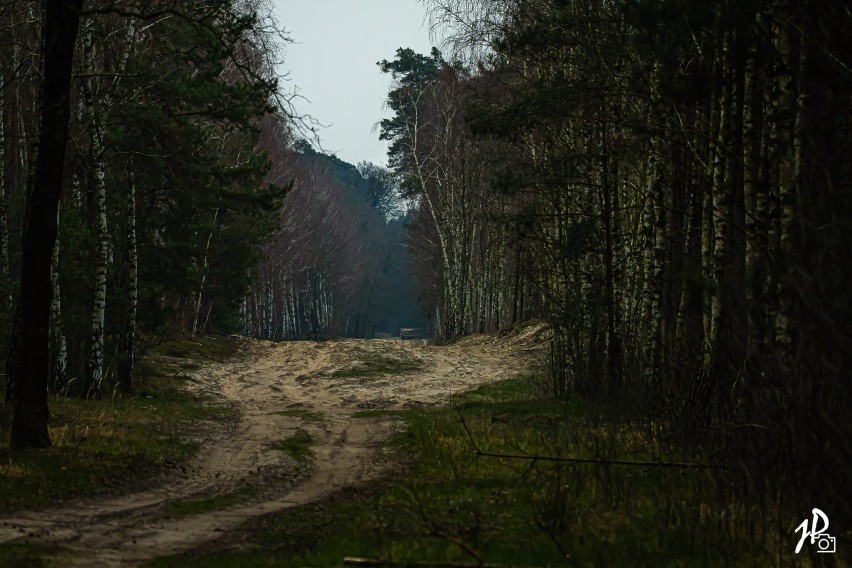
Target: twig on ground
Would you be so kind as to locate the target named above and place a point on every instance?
(596, 461)
(378, 563)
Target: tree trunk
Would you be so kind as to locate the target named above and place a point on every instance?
(721, 192)
(653, 226)
(131, 267)
(609, 188)
(57, 333)
(95, 363)
(29, 423)
(204, 268)
(790, 126)
(754, 188)
(5, 300)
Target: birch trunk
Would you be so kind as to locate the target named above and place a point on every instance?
(204, 268)
(6, 300)
(57, 333)
(609, 187)
(790, 122)
(653, 229)
(95, 366)
(721, 205)
(128, 355)
(770, 181)
(754, 190)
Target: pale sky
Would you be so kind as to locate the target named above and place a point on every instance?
(333, 64)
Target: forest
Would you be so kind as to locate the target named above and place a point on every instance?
(665, 184)
(173, 217)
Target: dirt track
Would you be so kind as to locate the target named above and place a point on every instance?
(319, 377)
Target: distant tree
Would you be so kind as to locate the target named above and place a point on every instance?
(448, 172)
(338, 264)
(413, 73)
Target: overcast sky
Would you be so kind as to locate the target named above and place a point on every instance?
(333, 64)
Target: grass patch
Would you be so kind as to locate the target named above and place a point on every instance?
(212, 503)
(297, 446)
(105, 446)
(173, 357)
(304, 414)
(18, 555)
(378, 413)
(218, 348)
(454, 507)
(378, 365)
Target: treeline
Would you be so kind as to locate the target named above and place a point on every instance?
(471, 268)
(667, 182)
(338, 264)
(175, 109)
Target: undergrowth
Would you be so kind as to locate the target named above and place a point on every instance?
(457, 505)
(105, 446)
(27, 555)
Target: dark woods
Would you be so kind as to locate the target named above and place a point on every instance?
(667, 182)
(169, 112)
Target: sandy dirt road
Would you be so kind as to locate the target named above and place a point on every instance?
(323, 378)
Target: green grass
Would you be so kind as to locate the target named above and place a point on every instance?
(217, 348)
(18, 555)
(212, 503)
(304, 414)
(297, 446)
(454, 507)
(378, 413)
(173, 357)
(376, 366)
(106, 446)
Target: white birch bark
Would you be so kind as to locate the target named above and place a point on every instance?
(132, 283)
(791, 124)
(4, 227)
(57, 333)
(205, 265)
(95, 366)
(721, 202)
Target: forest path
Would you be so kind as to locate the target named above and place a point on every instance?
(280, 390)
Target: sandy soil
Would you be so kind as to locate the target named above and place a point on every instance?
(314, 376)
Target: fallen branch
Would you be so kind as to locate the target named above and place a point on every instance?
(601, 461)
(596, 461)
(378, 563)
